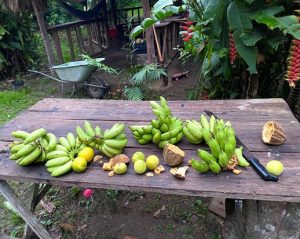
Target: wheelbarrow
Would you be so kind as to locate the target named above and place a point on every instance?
(79, 72)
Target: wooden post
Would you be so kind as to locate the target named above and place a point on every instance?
(149, 33)
(114, 11)
(106, 22)
(44, 33)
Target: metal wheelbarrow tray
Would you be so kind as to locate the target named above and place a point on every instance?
(79, 72)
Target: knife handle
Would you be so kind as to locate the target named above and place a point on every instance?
(261, 170)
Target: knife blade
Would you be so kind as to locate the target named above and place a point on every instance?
(250, 157)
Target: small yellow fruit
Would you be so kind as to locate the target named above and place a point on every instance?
(138, 156)
(152, 162)
(79, 164)
(120, 168)
(87, 153)
(275, 167)
(140, 167)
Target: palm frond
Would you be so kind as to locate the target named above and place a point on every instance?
(148, 73)
(99, 65)
(133, 93)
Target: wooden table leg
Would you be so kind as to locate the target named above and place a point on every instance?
(24, 212)
(262, 220)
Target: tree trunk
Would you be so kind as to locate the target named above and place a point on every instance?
(42, 25)
(149, 33)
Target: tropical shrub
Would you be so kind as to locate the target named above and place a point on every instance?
(242, 45)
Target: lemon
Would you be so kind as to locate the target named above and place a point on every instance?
(120, 168)
(152, 162)
(275, 167)
(138, 156)
(140, 167)
(87, 153)
(79, 164)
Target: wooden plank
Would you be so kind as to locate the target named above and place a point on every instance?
(56, 40)
(89, 33)
(70, 44)
(80, 39)
(24, 212)
(247, 185)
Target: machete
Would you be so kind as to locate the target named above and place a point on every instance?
(253, 161)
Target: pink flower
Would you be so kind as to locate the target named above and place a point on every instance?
(87, 193)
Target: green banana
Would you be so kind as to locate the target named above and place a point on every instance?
(14, 144)
(241, 160)
(117, 129)
(223, 159)
(89, 129)
(44, 143)
(166, 136)
(162, 144)
(116, 143)
(212, 123)
(229, 149)
(206, 135)
(214, 147)
(204, 122)
(52, 141)
(135, 133)
(57, 161)
(31, 157)
(179, 137)
(155, 123)
(147, 137)
(189, 136)
(143, 141)
(71, 140)
(215, 167)
(98, 131)
(205, 156)
(20, 134)
(147, 129)
(121, 136)
(155, 105)
(13, 157)
(173, 140)
(64, 142)
(156, 138)
(63, 169)
(231, 139)
(109, 151)
(155, 131)
(83, 137)
(201, 167)
(26, 149)
(56, 154)
(164, 128)
(16, 148)
(176, 130)
(51, 169)
(59, 147)
(35, 135)
(193, 129)
(221, 138)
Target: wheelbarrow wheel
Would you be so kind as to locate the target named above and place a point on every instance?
(99, 90)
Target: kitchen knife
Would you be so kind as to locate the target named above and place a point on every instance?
(253, 161)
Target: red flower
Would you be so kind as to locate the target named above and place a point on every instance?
(189, 23)
(293, 69)
(185, 34)
(186, 39)
(87, 193)
(190, 30)
(184, 28)
(232, 49)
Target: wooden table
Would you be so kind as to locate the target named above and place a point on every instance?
(247, 116)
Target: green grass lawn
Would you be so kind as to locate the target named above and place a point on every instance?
(12, 102)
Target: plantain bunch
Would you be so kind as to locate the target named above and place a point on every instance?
(59, 161)
(31, 147)
(162, 130)
(110, 142)
(221, 140)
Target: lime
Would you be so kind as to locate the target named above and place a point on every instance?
(275, 167)
(120, 168)
(152, 162)
(138, 156)
(140, 167)
(79, 164)
(87, 153)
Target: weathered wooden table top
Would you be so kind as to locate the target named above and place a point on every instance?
(247, 116)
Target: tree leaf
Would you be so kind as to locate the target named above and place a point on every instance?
(136, 31)
(238, 17)
(251, 38)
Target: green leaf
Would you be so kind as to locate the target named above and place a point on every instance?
(238, 17)
(133, 93)
(136, 31)
(248, 53)
(251, 38)
(162, 4)
(147, 22)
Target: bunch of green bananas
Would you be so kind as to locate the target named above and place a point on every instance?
(111, 142)
(59, 161)
(32, 147)
(162, 130)
(221, 140)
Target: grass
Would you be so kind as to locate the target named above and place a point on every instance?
(12, 102)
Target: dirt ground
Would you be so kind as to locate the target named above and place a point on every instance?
(114, 214)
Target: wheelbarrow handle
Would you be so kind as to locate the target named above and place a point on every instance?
(44, 74)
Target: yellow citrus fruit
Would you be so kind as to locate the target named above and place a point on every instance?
(152, 162)
(140, 167)
(275, 167)
(79, 164)
(87, 153)
(120, 168)
(138, 156)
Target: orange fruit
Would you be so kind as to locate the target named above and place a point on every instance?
(87, 153)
